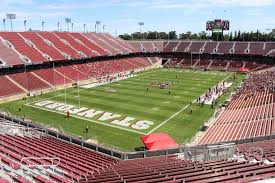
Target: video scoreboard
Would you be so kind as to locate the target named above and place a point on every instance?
(217, 25)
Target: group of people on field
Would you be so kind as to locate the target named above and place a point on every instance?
(209, 96)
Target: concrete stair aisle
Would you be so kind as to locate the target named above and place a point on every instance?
(227, 65)
(167, 63)
(244, 64)
(14, 82)
(197, 61)
(182, 60)
(211, 61)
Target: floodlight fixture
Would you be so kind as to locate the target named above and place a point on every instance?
(68, 21)
(11, 16)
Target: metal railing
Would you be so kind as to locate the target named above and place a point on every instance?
(54, 162)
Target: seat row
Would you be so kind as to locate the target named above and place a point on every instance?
(250, 113)
(36, 47)
(216, 64)
(170, 169)
(39, 80)
(75, 162)
(252, 48)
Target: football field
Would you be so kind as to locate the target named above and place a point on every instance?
(118, 113)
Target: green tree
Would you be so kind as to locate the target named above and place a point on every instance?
(173, 35)
(194, 36)
(125, 36)
(152, 35)
(163, 35)
(137, 36)
(203, 35)
(184, 36)
(231, 37)
(226, 37)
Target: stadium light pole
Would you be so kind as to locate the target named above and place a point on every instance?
(100, 28)
(42, 25)
(4, 24)
(68, 20)
(72, 26)
(25, 25)
(58, 25)
(97, 23)
(11, 17)
(103, 28)
(140, 28)
(84, 27)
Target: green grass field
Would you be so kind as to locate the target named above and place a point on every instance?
(130, 98)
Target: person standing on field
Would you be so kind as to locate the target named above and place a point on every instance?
(87, 129)
(68, 114)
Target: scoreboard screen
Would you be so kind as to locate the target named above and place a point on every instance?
(217, 25)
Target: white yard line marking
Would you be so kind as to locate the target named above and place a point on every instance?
(175, 114)
(94, 121)
(171, 117)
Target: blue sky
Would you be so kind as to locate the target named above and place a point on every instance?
(123, 15)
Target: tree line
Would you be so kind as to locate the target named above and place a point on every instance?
(216, 36)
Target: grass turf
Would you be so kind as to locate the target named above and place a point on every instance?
(130, 98)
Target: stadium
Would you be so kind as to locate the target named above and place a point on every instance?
(89, 106)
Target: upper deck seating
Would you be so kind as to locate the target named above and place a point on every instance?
(23, 47)
(43, 46)
(62, 46)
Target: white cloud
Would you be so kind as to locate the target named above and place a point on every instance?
(245, 3)
(254, 12)
(197, 4)
(49, 7)
(16, 2)
(124, 20)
